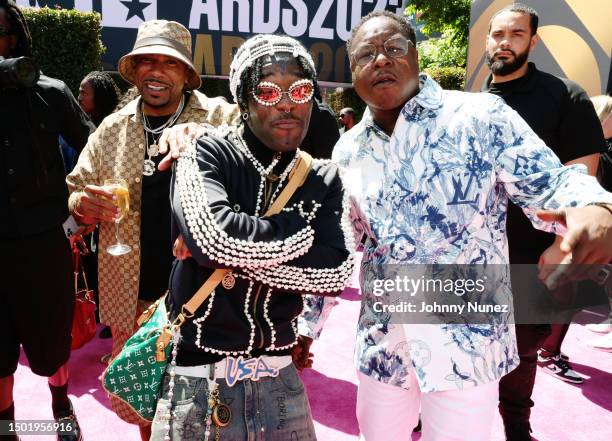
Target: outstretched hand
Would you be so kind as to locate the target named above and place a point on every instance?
(174, 140)
(588, 241)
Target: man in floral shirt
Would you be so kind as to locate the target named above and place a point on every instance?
(430, 173)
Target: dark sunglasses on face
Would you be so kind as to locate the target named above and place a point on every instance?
(394, 47)
(267, 93)
(5, 32)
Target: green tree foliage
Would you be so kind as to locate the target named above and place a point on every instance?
(449, 78)
(66, 43)
(443, 15)
(444, 55)
(442, 52)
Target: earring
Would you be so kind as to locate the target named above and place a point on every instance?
(245, 116)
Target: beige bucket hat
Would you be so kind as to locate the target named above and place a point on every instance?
(161, 37)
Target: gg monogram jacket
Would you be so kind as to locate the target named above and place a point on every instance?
(117, 150)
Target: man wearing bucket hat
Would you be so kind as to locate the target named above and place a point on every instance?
(126, 146)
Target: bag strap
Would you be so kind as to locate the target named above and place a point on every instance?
(79, 248)
(297, 177)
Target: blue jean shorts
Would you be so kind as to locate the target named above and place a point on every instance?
(271, 409)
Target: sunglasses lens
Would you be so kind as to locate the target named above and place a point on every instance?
(301, 92)
(267, 94)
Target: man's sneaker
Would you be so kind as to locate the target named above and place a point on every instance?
(602, 343)
(558, 367)
(68, 426)
(600, 328)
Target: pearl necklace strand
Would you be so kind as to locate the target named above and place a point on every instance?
(176, 338)
(263, 172)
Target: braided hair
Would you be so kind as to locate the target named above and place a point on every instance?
(19, 28)
(106, 95)
(251, 76)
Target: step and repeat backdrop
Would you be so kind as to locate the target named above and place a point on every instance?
(218, 27)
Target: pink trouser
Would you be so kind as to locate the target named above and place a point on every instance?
(388, 413)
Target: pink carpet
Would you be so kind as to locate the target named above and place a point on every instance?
(563, 412)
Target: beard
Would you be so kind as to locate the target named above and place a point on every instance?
(506, 67)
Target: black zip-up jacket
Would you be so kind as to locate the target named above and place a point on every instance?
(33, 192)
(275, 259)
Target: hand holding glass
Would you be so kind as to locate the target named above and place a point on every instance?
(119, 188)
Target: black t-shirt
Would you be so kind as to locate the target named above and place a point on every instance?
(155, 241)
(560, 112)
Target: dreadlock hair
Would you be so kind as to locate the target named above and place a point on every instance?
(106, 95)
(406, 28)
(521, 9)
(251, 76)
(19, 28)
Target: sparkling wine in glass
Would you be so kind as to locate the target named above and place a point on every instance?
(120, 189)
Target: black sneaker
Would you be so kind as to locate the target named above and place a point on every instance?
(69, 429)
(558, 367)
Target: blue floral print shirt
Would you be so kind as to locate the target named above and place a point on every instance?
(436, 191)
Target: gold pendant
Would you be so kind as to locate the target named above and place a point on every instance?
(228, 281)
(221, 415)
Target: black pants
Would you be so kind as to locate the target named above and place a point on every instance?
(36, 302)
(554, 341)
(515, 389)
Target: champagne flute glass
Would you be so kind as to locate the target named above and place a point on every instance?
(120, 189)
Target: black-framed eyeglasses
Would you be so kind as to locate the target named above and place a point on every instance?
(394, 47)
(5, 32)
